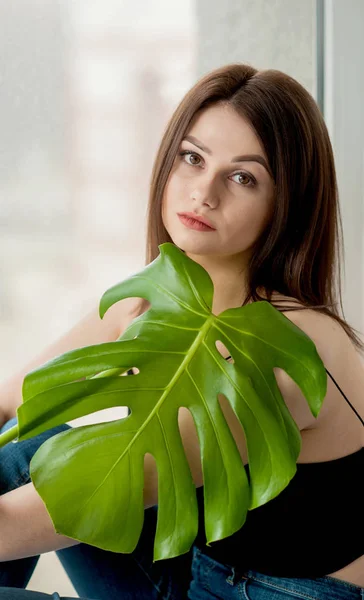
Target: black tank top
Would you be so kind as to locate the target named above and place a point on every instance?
(314, 527)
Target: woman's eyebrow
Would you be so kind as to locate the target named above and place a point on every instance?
(243, 158)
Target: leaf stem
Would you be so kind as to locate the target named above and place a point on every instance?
(9, 435)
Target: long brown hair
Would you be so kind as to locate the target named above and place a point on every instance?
(299, 253)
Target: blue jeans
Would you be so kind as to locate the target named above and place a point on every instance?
(100, 575)
(213, 580)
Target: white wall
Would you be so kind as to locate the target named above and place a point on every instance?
(344, 114)
(277, 34)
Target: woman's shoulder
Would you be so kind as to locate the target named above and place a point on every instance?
(325, 331)
(320, 324)
(333, 344)
(342, 360)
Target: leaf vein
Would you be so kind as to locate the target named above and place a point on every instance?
(167, 293)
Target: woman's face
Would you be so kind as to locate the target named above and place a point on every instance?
(235, 194)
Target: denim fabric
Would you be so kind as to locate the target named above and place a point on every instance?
(100, 575)
(130, 576)
(212, 580)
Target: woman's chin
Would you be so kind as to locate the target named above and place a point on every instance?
(198, 247)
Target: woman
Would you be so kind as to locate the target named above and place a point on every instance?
(248, 153)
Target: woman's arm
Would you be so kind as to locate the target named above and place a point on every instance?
(26, 528)
(88, 331)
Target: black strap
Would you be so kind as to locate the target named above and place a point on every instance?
(351, 406)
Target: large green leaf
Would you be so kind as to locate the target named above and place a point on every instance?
(91, 478)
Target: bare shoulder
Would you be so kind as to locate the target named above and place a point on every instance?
(325, 332)
(331, 340)
(343, 361)
(321, 328)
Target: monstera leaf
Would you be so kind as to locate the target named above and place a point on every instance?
(91, 477)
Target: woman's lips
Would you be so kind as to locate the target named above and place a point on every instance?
(193, 224)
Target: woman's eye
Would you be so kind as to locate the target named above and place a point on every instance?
(188, 153)
(243, 176)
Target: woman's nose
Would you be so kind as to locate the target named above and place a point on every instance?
(206, 193)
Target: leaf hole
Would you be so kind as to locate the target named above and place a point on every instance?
(150, 490)
(101, 416)
(224, 351)
(134, 370)
(190, 443)
(235, 427)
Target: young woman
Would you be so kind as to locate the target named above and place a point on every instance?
(246, 152)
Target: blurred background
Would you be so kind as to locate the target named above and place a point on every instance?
(86, 89)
